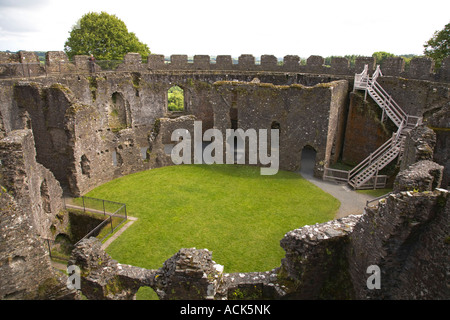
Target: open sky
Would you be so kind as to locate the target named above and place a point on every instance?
(236, 27)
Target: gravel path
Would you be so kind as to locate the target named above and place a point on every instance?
(352, 202)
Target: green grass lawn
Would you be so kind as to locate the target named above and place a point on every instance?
(231, 210)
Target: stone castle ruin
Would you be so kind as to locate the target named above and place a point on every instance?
(67, 126)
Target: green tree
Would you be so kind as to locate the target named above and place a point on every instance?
(438, 47)
(175, 99)
(380, 56)
(105, 36)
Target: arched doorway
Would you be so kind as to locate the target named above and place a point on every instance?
(308, 161)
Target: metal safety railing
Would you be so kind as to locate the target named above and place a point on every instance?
(109, 209)
(112, 215)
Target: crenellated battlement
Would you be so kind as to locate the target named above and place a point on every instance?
(26, 64)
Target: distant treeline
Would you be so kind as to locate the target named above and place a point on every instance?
(379, 55)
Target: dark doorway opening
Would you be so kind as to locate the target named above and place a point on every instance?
(308, 161)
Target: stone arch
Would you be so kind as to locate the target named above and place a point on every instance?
(63, 244)
(308, 160)
(119, 115)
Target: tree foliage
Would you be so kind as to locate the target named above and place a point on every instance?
(438, 47)
(350, 57)
(175, 97)
(105, 36)
(380, 56)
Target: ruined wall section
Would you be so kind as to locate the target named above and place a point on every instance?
(24, 261)
(417, 97)
(419, 145)
(42, 110)
(31, 208)
(98, 154)
(161, 139)
(364, 131)
(9, 118)
(83, 144)
(423, 143)
(406, 236)
(34, 187)
(305, 115)
(127, 104)
(337, 121)
(91, 129)
(316, 261)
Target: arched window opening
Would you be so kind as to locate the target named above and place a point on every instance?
(120, 114)
(175, 99)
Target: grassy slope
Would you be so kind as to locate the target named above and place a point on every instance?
(232, 210)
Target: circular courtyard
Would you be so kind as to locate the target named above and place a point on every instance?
(232, 210)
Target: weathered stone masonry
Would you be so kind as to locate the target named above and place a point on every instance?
(115, 113)
(68, 128)
(76, 141)
(31, 210)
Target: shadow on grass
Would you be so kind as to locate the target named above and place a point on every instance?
(244, 171)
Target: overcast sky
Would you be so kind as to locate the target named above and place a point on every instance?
(236, 27)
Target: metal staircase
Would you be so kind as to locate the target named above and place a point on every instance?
(365, 174)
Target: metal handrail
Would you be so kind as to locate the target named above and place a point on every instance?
(384, 153)
(393, 106)
(379, 198)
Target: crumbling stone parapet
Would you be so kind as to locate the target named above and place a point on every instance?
(420, 177)
(406, 236)
(315, 265)
(251, 286)
(419, 145)
(190, 274)
(103, 278)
